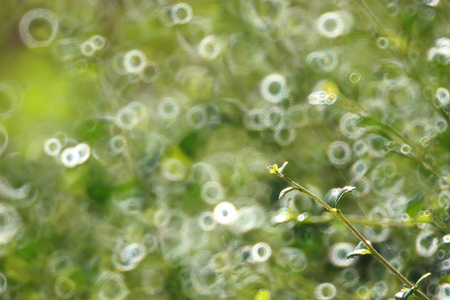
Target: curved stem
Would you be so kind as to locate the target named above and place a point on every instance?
(338, 214)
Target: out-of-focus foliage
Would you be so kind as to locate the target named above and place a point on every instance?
(135, 136)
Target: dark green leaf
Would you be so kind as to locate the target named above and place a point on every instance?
(420, 279)
(341, 194)
(367, 121)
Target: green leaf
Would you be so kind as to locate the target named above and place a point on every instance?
(281, 169)
(420, 280)
(285, 191)
(360, 250)
(341, 194)
(405, 292)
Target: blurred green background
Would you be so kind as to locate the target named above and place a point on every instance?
(135, 136)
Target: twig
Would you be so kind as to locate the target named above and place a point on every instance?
(338, 214)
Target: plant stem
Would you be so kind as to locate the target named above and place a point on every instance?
(369, 222)
(338, 214)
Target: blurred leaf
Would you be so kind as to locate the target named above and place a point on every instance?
(285, 191)
(403, 294)
(367, 121)
(303, 217)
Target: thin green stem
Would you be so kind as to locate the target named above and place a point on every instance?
(369, 222)
(338, 214)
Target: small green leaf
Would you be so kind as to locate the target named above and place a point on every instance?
(341, 194)
(405, 292)
(360, 250)
(420, 280)
(400, 295)
(281, 169)
(285, 191)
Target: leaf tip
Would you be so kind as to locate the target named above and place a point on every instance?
(285, 191)
(360, 250)
(282, 167)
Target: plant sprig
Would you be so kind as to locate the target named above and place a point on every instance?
(405, 292)
(366, 244)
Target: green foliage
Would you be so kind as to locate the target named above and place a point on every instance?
(340, 194)
(134, 137)
(360, 250)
